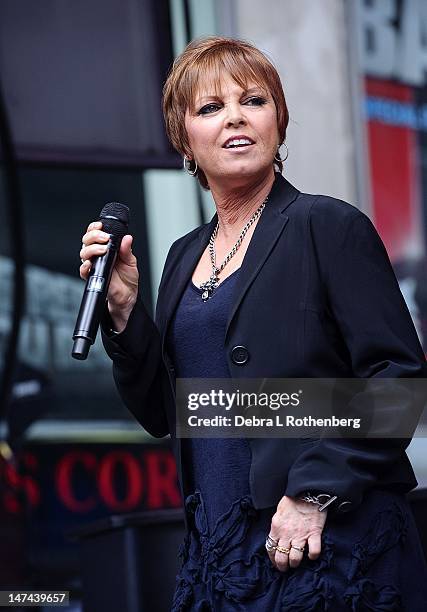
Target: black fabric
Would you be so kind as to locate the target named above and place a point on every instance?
(316, 296)
(370, 561)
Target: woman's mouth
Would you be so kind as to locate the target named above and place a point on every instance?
(238, 142)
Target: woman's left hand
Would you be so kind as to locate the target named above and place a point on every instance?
(296, 523)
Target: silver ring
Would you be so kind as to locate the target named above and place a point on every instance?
(270, 544)
(300, 548)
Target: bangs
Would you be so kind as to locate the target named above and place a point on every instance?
(208, 73)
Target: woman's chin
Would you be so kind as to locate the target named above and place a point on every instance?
(243, 172)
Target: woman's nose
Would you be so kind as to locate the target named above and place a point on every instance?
(235, 116)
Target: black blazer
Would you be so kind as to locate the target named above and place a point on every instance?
(315, 297)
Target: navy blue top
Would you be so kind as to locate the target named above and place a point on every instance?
(218, 468)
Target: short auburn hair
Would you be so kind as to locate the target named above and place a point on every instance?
(208, 58)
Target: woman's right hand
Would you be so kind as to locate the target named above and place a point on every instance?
(123, 288)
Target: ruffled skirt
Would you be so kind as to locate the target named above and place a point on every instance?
(371, 560)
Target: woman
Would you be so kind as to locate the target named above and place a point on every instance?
(279, 284)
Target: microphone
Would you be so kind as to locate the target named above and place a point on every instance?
(115, 220)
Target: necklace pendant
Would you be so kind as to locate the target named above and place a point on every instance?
(208, 287)
(212, 283)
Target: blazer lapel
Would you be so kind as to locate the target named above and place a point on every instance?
(182, 273)
(267, 232)
(265, 236)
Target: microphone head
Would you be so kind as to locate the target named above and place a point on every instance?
(115, 220)
(115, 210)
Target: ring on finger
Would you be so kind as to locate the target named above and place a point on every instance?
(283, 550)
(270, 544)
(300, 548)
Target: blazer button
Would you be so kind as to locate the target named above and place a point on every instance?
(344, 506)
(239, 355)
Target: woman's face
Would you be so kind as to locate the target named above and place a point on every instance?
(233, 134)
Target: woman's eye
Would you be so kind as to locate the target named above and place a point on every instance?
(208, 108)
(256, 101)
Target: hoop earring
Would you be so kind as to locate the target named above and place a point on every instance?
(187, 166)
(277, 157)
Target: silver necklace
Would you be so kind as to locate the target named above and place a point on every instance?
(212, 283)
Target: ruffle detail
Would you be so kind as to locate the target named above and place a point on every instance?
(388, 529)
(309, 596)
(226, 568)
(212, 559)
(309, 588)
(364, 596)
(183, 596)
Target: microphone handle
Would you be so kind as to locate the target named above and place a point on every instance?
(93, 302)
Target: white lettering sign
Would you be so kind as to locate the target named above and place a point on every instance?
(391, 49)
